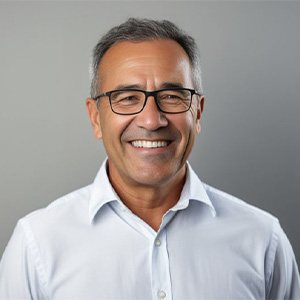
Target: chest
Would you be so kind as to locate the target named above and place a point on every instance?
(176, 264)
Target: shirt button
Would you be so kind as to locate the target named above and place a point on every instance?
(157, 242)
(161, 294)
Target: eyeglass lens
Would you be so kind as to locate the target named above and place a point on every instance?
(131, 101)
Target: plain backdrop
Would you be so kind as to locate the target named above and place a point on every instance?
(250, 140)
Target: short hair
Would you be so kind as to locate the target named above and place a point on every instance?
(138, 30)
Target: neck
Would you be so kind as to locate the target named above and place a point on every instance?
(154, 202)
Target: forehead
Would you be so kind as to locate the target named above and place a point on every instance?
(144, 63)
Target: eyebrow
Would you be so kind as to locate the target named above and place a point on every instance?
(127, 86)
(171, 85)
(164, 85)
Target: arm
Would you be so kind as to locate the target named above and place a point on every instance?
(19, 276)
(284, 282)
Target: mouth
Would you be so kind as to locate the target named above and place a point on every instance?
(149, 144)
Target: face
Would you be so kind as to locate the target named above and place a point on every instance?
(166, 139)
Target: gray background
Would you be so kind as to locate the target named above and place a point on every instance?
(249, 145)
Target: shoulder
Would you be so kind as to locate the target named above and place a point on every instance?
(72, 206)
(255, 229)
(44, 230)
(251, 225)
(227, 205)
(248, 222)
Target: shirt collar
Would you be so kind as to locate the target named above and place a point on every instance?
(102, 192)
(193, 189)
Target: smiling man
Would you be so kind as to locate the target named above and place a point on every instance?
(148, 228)
(147, 137)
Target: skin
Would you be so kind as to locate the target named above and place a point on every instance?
(149, 181)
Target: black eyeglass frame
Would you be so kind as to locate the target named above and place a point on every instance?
(147, 94)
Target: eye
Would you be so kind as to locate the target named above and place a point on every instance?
(126, 98)
(171, 96)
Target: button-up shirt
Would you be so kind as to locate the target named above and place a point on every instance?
(89, 245)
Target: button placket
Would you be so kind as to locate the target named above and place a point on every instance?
(160, 268)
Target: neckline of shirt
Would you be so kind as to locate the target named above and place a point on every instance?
(102, 192)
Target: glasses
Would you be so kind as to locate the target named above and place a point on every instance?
(133, 101)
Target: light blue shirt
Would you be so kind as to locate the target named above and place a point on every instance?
(88, 245)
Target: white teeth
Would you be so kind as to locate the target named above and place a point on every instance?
(149, 144)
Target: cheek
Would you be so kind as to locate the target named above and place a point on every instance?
(190, 131)
(185, 124)
(112, 127)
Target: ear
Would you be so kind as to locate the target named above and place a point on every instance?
(200, 109)
(94, 116)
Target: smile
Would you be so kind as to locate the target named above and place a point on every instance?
(149, 144)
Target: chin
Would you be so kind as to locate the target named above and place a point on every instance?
(153, 178)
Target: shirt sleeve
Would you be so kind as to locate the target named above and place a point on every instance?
(19, 271)
(284, 282)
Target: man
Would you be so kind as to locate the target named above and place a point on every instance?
(147, 228)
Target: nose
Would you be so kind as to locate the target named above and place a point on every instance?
(151, 118)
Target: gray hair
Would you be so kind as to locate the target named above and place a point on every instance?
(137, 30)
